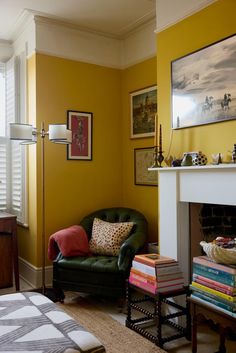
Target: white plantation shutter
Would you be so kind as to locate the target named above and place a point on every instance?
(3, 174)
(16, 154)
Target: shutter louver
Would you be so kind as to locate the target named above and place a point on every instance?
(3, 175)
(16, 168)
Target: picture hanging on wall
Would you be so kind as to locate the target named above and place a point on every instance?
(143, 104)
(143, 159)
(81, 125)
(204, 85)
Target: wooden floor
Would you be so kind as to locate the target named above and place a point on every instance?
(208, 339)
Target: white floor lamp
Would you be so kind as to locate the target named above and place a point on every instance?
(27, 134)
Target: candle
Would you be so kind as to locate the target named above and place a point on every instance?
(160, 140)
(156, 128)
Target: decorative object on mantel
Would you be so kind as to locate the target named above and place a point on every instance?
(176, 162)
(234, 154)
(158, 153)
(187, 160)
(220, 254)
(217, 158)
(199, 158)
(194, 158)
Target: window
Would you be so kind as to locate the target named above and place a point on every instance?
(13, 191)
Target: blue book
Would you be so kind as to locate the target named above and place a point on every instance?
(215, 274)
(214, 301)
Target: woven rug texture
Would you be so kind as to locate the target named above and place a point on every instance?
(114, 336)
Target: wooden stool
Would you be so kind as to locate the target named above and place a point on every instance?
(150, 325)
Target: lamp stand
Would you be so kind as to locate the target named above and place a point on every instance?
(43, 206)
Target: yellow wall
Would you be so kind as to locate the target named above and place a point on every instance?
(203, 28)
(27, 237)
(73, 188)
(143, 198)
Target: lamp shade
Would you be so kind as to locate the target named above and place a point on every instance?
(21, 132)
(59, 133)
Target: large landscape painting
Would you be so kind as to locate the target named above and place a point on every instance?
(204, 85)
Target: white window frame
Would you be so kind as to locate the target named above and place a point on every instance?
(16, 183)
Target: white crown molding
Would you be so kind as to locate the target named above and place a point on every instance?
(181, 9)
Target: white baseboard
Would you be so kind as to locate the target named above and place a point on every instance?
(33, 275)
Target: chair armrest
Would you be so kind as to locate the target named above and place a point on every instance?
(129, 248)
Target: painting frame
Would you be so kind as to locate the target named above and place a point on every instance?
(143, 159)
(203, 85)
(143, 107)
(81, 125)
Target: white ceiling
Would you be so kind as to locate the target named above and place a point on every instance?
(114, 17)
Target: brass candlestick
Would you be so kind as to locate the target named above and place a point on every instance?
(160, 157)
(155, 160)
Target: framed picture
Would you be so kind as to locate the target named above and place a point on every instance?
(204, 85)
(143, 159)
(143, 105)
(81, 125)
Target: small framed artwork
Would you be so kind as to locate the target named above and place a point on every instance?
(80, 123)
(143, 159)
(204, 85)
(143, 104)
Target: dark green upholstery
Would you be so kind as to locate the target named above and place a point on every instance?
(103, 275)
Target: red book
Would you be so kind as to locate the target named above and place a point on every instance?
(153, 260)
(145, 286)
(142, 279)
(214, 286)
(215, 283)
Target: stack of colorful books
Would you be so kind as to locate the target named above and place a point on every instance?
(215, 284)
(156, 273)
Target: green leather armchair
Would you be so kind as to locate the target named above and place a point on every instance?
(102, 275)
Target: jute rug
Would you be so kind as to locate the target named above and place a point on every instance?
(113, 335)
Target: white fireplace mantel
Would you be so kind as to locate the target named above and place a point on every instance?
(178, 186)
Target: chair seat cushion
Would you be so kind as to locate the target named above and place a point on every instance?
(91, 263)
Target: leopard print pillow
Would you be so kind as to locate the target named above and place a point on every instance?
(107, 237)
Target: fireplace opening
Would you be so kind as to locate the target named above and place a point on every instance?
(208, 221)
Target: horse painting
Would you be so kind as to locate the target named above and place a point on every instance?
(208, 104)
(225, 102)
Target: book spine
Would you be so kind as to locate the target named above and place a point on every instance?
(156, 284)
(142, 279)
(152, 263)
(215, 307)
(202, 260)
(145, 286)
(140, 273)
(144, 268)
(169, 277)
(217, 275)
(215, 302)
(213, 291)
(170, 288)
(167, 270)
(164, 284)
(213, 296)
(160, 277)
(213, 286)
(218, 284)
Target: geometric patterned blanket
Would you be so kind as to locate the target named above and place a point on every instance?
(31, 323)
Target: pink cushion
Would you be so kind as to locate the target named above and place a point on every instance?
(72, 241)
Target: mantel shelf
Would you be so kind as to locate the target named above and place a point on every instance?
(196, 168)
